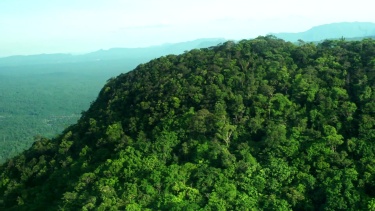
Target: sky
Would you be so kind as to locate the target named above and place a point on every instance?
(80, 26)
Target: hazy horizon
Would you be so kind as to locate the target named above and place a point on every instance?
(40, 26)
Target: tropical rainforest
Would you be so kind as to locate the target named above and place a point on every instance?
(259, 124)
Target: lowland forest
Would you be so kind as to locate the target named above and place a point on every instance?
(260, 124)
(36, 101)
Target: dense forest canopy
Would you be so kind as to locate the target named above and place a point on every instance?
(259, 124)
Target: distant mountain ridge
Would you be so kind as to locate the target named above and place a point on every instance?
(332, 31)
(348, 30)
(144, 54)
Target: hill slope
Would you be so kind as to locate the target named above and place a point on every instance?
(261, 124)
(332, 31)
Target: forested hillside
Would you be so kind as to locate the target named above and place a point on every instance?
(261, 124)
(43, 94)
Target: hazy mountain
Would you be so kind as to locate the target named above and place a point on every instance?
(140, 54)
(331, 31)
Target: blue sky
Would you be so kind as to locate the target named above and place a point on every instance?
(79, 26)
